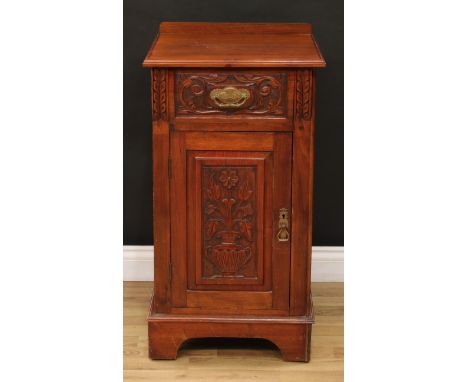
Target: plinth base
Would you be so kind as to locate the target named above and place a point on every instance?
(167, 332)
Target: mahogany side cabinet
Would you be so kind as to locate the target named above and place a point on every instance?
(233, 132)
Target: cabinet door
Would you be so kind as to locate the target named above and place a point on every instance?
(230, 192)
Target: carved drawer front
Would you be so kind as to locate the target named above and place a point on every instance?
(262, 93)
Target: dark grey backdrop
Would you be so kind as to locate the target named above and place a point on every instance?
(141, 21)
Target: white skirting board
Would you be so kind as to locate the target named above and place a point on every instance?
(327, 263)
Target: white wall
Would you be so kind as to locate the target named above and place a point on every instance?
(327, 263)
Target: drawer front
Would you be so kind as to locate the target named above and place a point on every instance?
(235, 93)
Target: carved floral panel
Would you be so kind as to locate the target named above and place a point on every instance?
(229, 218)
(258, 94)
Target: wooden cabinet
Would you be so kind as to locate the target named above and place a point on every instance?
(233, 108)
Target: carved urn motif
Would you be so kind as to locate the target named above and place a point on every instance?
(230, 221)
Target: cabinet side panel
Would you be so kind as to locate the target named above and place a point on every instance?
(161, 215)
(302, 176)
(161, 198)
(311, 188)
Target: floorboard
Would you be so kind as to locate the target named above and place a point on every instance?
(212, 360)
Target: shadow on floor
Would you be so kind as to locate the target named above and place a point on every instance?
(229, 343)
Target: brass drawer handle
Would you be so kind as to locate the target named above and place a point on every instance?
(229, 96)
(283, 224)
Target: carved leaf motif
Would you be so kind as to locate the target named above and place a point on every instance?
(211, 228)
(244, 211)
(159, 94)
(187, 82)
(244, 192)
(228, 202)
(210, 209)
(268, 92)
(227, 211)
(303, 94)
(228, 221)
(246, 228)
(213, 191)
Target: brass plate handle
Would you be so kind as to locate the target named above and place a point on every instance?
(229, 97)
(283, 224)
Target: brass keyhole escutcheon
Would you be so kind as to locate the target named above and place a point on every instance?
(283, 225)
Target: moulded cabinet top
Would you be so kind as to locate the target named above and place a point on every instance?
(181, 44)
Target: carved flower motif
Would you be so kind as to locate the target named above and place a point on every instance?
(265, 90)
(228, 178)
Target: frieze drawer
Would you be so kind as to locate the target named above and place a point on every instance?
(261, 93)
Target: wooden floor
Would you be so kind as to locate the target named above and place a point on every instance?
(231, 359)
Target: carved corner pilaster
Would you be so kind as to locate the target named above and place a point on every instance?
(159, 94)
(304, 83)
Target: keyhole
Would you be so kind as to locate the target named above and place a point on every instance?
(284, 216)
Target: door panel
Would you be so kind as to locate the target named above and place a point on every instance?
(230, 195)
(226, 193)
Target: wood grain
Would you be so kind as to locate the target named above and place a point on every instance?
(161, 213)
(229, 299)
(302, 178)
(233, 121)
(267, 92)
(198, 162)
(211, 360)
(270, 174)
(233, 131)
(241, 45)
